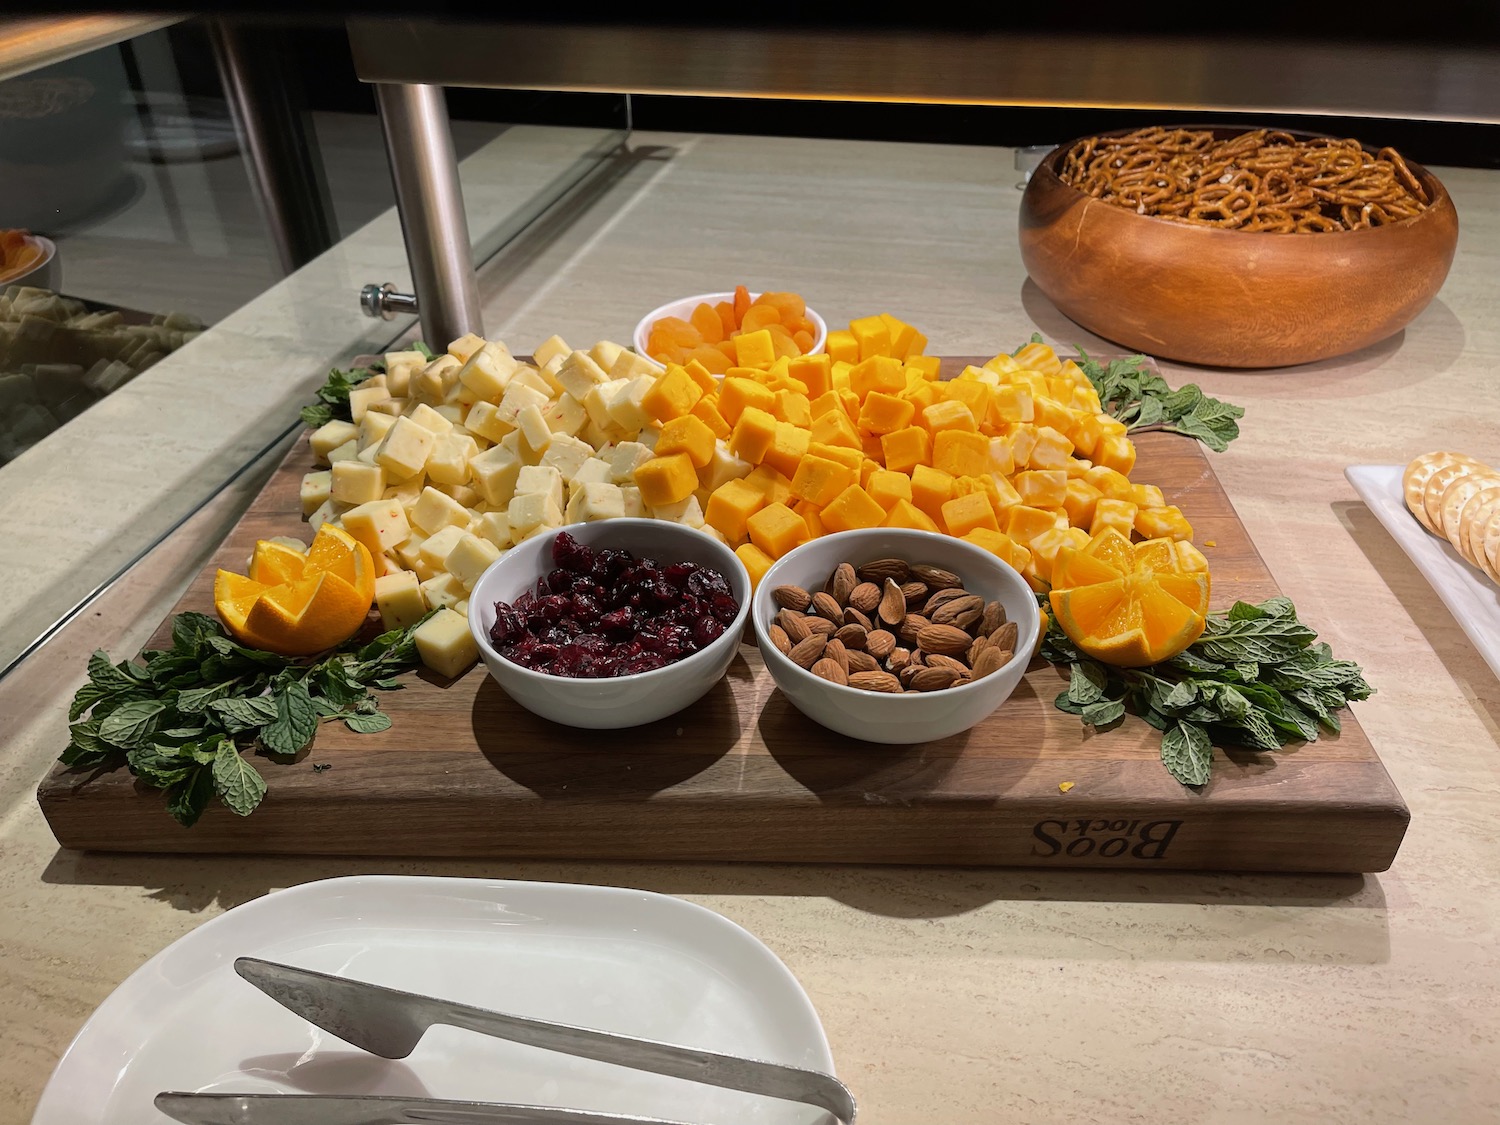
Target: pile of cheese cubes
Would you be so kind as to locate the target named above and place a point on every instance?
(1015, 456)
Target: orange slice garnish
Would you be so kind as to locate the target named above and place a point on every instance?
(296, 604)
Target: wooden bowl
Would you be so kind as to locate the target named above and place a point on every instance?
(1228, 298)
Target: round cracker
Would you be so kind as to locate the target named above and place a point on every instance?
(1455, 496)
(1471, 519)
(1491, 556)
(1437, 483)
(1414, 480)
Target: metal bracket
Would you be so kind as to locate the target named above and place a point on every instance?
(383, 302)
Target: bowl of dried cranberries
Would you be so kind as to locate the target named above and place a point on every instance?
(611, 624)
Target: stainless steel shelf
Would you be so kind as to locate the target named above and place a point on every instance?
(29, 44)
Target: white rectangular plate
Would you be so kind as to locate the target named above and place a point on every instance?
(1469, 595)
(627, 961)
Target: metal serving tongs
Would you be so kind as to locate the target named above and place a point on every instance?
(390, 1023)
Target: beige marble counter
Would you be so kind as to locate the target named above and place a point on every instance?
(968, 996)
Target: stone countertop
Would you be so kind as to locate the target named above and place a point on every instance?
(1028, 996)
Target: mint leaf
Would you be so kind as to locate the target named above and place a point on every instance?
(238, 783)
(1187, 753)
(240, 715)
(421, 346)
(194, 700)
(187, 799)
(1104, 712)
(295, 724)
(131, 725)
(373, 723)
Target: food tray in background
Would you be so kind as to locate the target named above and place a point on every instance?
(741, 775)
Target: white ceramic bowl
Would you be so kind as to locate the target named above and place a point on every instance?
(624, 701)
(43, 274)
(683, 309)
(874, 716)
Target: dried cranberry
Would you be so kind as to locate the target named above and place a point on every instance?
(572, 555)
(725, 608)
(680, 574)
(706, 630)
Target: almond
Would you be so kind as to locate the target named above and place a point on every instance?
(943, 597)
(879, 643)
(830, 670)
(898, 659)
(989, 661)
(876, 681)
(795, 625)
(842, 584)
(908, 673)
(915, 593)
(825, 607)
(852, 616)
(932, 679)
(946, 640)
(979, 645)
(820, 625)
(862, 662)
(994, 617)
(881, 569)
(911, 626)
(792, 597)
(957, 667)
(1006, 636)
(805, 653)
(853, 636)
(892, 603)
(967, 606)
(779, 638)
(935, 577)
(865, 597)
(836, 652)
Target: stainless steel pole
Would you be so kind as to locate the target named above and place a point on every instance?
(430, 202)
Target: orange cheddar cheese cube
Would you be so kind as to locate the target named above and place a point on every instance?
(931, 489)
(873, 337)
(706, 410)
(815, 372)
(850, 402)
(1010, 404)
(1079, 499)
(672, 395)
(906, 449)
(687, 435)
(876, 373)
(948, 415)
(843, 454)
(793, 407)
(1115, 452)
(829, 400)
(1002, 494)
(702, 376)
(922, 394)
(776, 529)
(841, 345)
(774, 486)
(755, 349)
(867, 469)
(1040, 358)
(1051, 450)
(756, 561)
(963, 514)
(883, 413)
(753, 435)
(960, 453)
(788, 447)
(996, 543)
(972, 393)
(834, 428)
(1118, 514)
(812, 516)
(736, 395)
(886, 487)
(852, 509)
(731, 505)
(929, 365)
(906, 514)
(1163, 523)
(666, 480)
(869, 444)
(1147, 496)
(1045, 546)
(1109, 482)
(1042, 488)
(1024, 523)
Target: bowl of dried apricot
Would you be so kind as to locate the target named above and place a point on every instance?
(707, 328)
(894, 636)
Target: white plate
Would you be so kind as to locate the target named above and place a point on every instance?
(627, 961)
(1469, 595)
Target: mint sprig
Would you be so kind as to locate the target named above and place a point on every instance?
(1256, 678)
(189, 719)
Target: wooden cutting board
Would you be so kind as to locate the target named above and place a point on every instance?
(741, 775)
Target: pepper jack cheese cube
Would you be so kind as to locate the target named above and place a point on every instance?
(495, 472)
(465, 346)
(606, 353)
(628, 365)
(487, 372)
(399, 598)
(443, 591)
(354, 482)
(666, 480)
(542, 480)
(596, 500)
(329, 436)
(565, 416)
(579, 374)
(722, 468)
(688, 512)
(448, 463)
(470, 557)
(626, 409)
(554, 347)
(484, 420)
(326, 512)
(430, 419)
(626, 458)
(517, 397)
(316, 488)
(534, 428)
(494, 526)
(531, 510)
(593, 471)
(381, 525)
(404, 449)
(630, 497)
(435, 548)
(435, 510)
(567, 455)
(349, 451)
(364, 394)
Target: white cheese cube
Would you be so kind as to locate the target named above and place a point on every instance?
(494, 474)
(484, 419)
(368, 454)
(435, 548)
(627, 457)
(596, 500)
(534, 428)
(630, 496)
(445, 643)
(409, 550)
(329, 436)
(381, 525)
(598, 398)
(548, 372)
(578, 374)
(543, 480)
(442, 591)
(648, 436)
(518, 396)
(452, 413)
(391, 406)
(346, 452)
(723, 467)
(487, 372)
(494, 526)
(374, 428)
(407, 493)
(354, 482)
(605, 353)
(595, 470)
(554, 347)
(714, 533)
(435, 510)
(461, 607)
(470, 557)
(465, 495)
(531, 510)
(326, 512)
(566, 415)
(566, 455)
(399, 598)
(629, 365)
(599, 437)
(465, 346)
(687, 512)
(399, 368)
(625, 409)
(531, 377)
(316, 488)
(448, 463)
(364, 394)
(404, 450)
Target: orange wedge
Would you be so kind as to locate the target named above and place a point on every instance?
(1130, 604)
(297, 604)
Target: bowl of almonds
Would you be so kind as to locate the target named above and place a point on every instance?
(894, 636)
